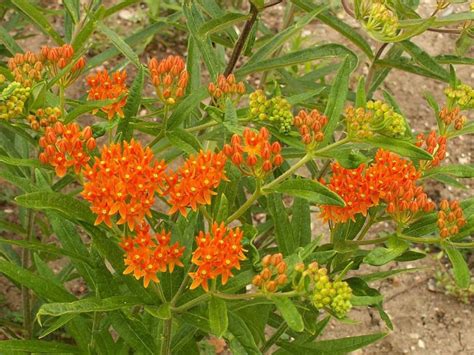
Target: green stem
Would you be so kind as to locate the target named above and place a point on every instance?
(159, 291)
(246, 205)
(289, 172)
(183, 308)
(419, 240)
(366, 228)
(368, 242)
(25, 263)
(462, 245)
(61, 99)
(182, 286)
(370, 75)
(274, 338)
(166, 337)
(320, 152)
(163, 128)
(201, 127)
(206, 214)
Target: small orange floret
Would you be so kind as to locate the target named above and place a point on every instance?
(105, 87)
(253, 153)
(450, 218)
(66, 146)
(433, 144)
(310, 126)
(217, 253)
(226, 87)
(56, 59)
(145, 256)
(123, 181)
(26, 68)
(170, 78)
(194, 182)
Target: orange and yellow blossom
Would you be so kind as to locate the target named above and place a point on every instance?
(123, 180)
(26, 68)
(169, 77)
(105, 87)
(145, 255)
(217, 253)
(194, 182)
(435, 145)
(56, 59)
(66, 146)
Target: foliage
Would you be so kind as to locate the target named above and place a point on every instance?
(186, 208)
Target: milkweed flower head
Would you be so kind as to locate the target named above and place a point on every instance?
(123, 182)
(169, 77)
(253, 153)
(435, 145)
(217, 253)
(450, 218)
(109, 87)
(27, 68)
(389, 179)
(276, 110)
(147, 255)
(43, 118)
(310, 126)
(12, 100)
(379, 20)
(226, 87)
(273, 275)
(66, 146)
(56, 59)
(461, 95)
(453, 117)
(193, 184)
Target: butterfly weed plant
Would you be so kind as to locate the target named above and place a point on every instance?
(188, 204)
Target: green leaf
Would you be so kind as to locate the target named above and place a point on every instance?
(405, 65)
(86, 31)
(43, 287)
(337, 97)
(163, 311)
(403, 148)
(65, 204)
(313, 191)
(301, 221)
(454, 59)
(132, 106)
(184, 108)
(87, 305)
(361, 97)
(8, 41)
(218, 316)
(283, 231)
(183, 140)
(37, 346)
(456, 170)
(289, 312)
(220, 23)
(34, 163)
(31, 11)
(376, 276)
(239, 329)
(88, 106)
(424, 59)
(120, 44)
(460, 269)
(324, 51)
(58, 323)
(332, 346)
(381, 256)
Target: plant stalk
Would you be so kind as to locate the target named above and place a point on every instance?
(257, 193)
(25, 263)
(166, 338)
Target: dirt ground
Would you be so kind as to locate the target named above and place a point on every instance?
(426, 321)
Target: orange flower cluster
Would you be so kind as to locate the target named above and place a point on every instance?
(226, 87)
(123, 181)
(66, 146)
(217, 253)
(26, 68)
(453, 116)
(57, 58)
(273, 274)
(44, 117)
(145, 255)
(433, 144)
(194, 182)
(450, 218)
(310, 126)
(256, 156)
(105, 87)
(170, 78)
(389, 178)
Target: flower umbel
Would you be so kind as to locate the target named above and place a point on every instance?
(105, 87)
(310, 126)
(123, 181)
(56, 59)
(450, 218)
(26, 68)
(170, 78)
(217, 253)
(13, 99)
(194, 182)
(433, 144)
(275, 110)
(145, 255)
(226, 87)
(66, 146)
(273, 275)
(44, 117)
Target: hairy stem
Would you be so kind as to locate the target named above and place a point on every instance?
(242, 209)
(288, 173)
(166, 337)
(370, 75)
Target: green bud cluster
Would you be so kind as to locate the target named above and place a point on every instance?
(335, 295)
(378, 19)
(359, 122)
(276, 110)
(462, 95)
(12, 100)
(386, 119)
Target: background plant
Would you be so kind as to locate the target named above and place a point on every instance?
(363, 166)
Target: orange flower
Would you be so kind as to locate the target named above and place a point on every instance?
(450, 218)
(146, 256)
(433, 144)
(57, 58)
(27, 68)
(217, 253)
(170, 78)
(105, 87)
(226, 87)
(194, 183)
(44, 117)
(123, 181)
(453, 116)
(256, 157)
(310, 126)
(65, 146)
(389, 178)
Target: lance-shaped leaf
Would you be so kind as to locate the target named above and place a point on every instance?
(37, 346)
(289, 312)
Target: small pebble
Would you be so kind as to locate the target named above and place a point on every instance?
(421, 344)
